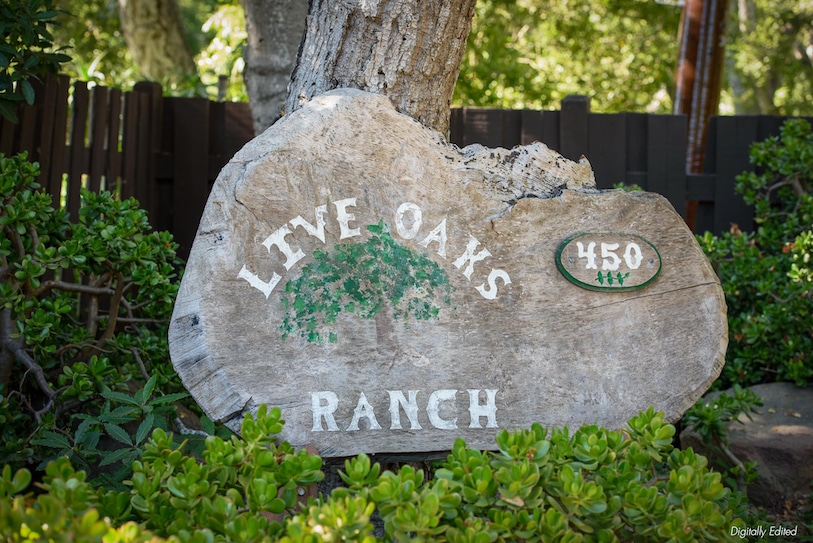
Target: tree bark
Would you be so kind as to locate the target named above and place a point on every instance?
(155, 39)
(408, 50)
(274, 35)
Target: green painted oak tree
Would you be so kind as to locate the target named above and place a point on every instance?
(375, 279)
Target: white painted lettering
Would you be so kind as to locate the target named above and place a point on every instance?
(317, 231)
(489, 410)
(344, 218)
(607, 252)
(363, 410)
(325, 410)
(633, 256)
(255, 281)
(491, 292)
(590, 254)
(433, 409)
(397, 401)
(470, 257)
(437, 235)
(278, 239)
(400, 227)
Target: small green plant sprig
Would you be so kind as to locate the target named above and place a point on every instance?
(85, 306)
(710, 419)
(591, 485)
(766, 274)
(364, 279)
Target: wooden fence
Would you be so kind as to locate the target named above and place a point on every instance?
(635, 148)
(167, 152)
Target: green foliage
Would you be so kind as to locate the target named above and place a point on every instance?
(591, 485)
(364, 279)
(215, 30)
(766, 274)
(710, 418)
(85, 306)
(531, 54)
(770, 59)
(26, 51)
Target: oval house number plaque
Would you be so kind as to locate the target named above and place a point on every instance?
(608, 261)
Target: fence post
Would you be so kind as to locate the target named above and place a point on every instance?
(573, 127)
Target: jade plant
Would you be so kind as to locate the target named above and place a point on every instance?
(84, 306)
(766, 274)
(591, 484)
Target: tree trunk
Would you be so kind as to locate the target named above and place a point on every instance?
(274, 34)
(408, 50)
(155, 39)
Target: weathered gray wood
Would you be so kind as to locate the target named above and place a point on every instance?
(554, 352)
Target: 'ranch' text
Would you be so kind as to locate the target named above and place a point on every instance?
(325, 403)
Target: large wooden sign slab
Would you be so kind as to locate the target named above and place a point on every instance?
(390, 292)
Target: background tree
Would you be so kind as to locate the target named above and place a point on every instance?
(770, 56)
(155, 38)
(531, 54)
(271, 48)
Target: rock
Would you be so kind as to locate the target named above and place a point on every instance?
(391, 292)
(779, 439)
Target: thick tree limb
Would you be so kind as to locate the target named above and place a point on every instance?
(407, 50)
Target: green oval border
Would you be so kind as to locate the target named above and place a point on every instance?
(598, 288)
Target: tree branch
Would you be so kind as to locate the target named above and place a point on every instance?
(72, 287)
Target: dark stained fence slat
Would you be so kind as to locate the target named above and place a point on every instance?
(456, 126)
(636, 159)
(734, 136)
(99, 120)
(113, 167)
(541, 126)
(60, 145)
(78, 155)
(573, 127)
(700, 188)
(191, 171)
(607, 149)
(141, 179)
(483, 126)
(666, 158)
(147, 145)
(28, 126)
(238, 128)
(48, 99)
(511, 129)
(129, 142)
(8, 139)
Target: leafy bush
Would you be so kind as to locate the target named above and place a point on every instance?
(711, 417)
(85, 305)
(25, 52)
(766, 274)
(591, 485)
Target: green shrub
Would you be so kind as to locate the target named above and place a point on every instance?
(766, 274)
(589, 485)
(26, 51)
(84, 306)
